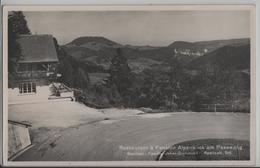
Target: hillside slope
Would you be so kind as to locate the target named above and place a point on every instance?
(235, 57)
(208, 45)
(160, 73)
(100, 51)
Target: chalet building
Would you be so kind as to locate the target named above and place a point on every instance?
(36, 77)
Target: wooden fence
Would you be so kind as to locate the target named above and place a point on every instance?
(217, 107)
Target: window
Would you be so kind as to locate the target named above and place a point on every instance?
(34, 87)
(29, 87)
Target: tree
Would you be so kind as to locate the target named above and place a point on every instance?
(150, 91)
(17, 25)
(174, 85)
(73, 72)
(120, 73)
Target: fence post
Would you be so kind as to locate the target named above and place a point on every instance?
(215, 108)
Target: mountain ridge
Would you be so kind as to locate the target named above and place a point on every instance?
(156, 72)
(84, 39)
(107, 40)
(100, 50)
(228, 56)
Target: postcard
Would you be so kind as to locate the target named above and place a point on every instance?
(151, 85)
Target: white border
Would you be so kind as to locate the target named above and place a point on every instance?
(132, 8)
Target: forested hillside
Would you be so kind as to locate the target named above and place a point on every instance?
(111, 74)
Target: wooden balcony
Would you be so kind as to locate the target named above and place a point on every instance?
(35, 75)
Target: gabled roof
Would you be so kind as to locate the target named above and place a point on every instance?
(37, 48)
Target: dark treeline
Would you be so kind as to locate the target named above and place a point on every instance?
(17, 25)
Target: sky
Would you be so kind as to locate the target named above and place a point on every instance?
(155, 28)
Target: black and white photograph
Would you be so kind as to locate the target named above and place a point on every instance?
(110, 84)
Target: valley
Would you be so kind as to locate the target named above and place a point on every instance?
(215, 70)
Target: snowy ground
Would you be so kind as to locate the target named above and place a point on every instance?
(70, 131)
(53, 114)
(63, 113)
(48, 118)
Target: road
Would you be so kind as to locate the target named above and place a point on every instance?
(136, 137)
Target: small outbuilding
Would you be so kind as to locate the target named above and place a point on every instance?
(18, 137)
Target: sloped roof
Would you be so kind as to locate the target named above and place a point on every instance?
(37, 48)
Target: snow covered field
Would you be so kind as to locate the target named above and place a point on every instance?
(63, 113)
(48, 118)
(70, 131)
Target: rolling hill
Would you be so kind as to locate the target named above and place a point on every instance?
(92, 39)
(208, 45)
(100, 51)
(235, 57)
(158, 71)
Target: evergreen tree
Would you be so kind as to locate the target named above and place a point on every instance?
(174, 85)
(120, 73)
(17, 25)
